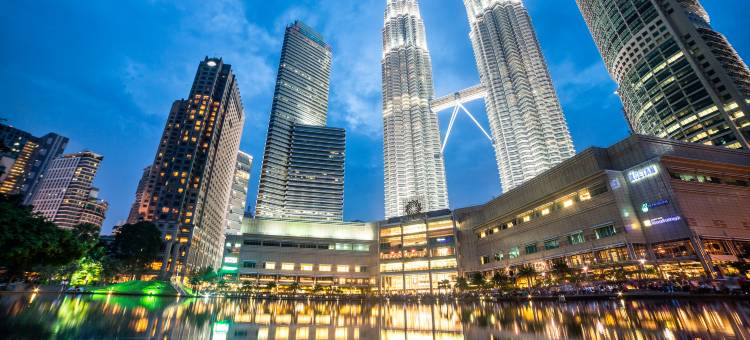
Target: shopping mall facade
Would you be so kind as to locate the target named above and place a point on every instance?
(643, 205)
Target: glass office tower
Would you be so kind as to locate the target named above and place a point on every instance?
(678, 77)
(303, 163)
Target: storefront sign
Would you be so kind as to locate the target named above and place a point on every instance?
(661, 220)
(646, 206)
(643, 173)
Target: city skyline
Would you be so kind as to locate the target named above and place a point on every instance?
(122, 192)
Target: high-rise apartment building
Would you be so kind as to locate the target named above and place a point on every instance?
(295, 181)
(66, 195)
(528, 126)
(678, 78)
(188, 185)
(139, 209)
(238, 193)
(31, 156)
(414, 171)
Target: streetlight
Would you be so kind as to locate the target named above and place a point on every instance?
(586, 273)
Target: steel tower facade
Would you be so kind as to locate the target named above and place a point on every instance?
(529, 130)
(414, 170)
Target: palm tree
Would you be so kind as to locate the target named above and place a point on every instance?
(477, 279)
(561, 269)
(317, 289)
(461, 284)
(294, 287)
(271, 286)
(444, 284)
(528, 272)
(500, 279)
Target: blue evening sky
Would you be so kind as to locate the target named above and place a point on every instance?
(104, 74)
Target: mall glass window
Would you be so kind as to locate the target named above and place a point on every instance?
(531, 248)
(576, 238)
(551, 244)
(248, 264)
(605, 231)
(514, 253)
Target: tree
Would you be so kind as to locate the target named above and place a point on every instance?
(500, 279)
(136, 246)
(29, 241)
(317, 288)
(528, 272)
(271, 286)
(461, 284)
(477, 279)
(294, 287)
(561, 269)
(444, 285)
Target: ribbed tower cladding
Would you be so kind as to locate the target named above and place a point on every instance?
(302, 175)
(678, 77)
(528, 127)
(414, 169)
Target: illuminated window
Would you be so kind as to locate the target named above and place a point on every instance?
(167, 237)
(342, 268)
(287, 266)
(584, 195)
(269, 265)
(415, 228)
(568, 203)
(545, 211)
(324, 267)
(513, 253)
(307, 267)
(527, 218)
(391, 267)
(576, 238)
(416, 265)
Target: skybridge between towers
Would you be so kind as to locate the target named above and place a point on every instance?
(456, 101)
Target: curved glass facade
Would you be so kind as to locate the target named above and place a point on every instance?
(678, 78)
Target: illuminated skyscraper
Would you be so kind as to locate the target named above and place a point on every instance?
(187, 188)
(66, 195)
(414, 170)
(678, 77)
(302, 176)
(528, 127)
(238, 194)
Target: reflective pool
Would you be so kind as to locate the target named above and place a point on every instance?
(101, 316)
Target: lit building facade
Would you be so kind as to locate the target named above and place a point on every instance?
(298, 180)
(238, 193)
(315, 182)
(139, 209)
(65, 195)
(417, 253)
(644, 202)
(528, 126)
(414, 173)
(330, 255)
(678, 77)
(30, 157)
(189, 183)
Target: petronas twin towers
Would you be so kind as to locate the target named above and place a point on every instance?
(529, 131)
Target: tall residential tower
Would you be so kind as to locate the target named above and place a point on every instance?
(528, 127)
(66, 195)
(238, 194)
(187, 188)
(678, 77)
(302, 176)
(414, 170)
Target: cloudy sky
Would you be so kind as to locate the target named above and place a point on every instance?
(104, 74)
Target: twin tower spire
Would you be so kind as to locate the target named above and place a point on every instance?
(529, 131)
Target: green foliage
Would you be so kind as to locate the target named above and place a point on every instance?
(477, 279)
(461, 284)
(500, 279)
(136, 246)
(28, 241)
(205, 275)
(89, 271)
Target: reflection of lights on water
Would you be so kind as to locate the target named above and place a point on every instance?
(600, 327)
(668, 334)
